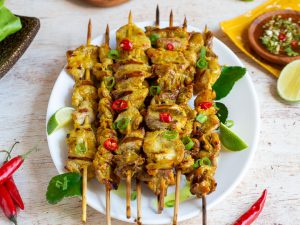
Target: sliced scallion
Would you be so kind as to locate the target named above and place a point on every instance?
(201, 118)
(109, 82)
(154, 90)
(122, 123)
(170, 134)
(188, 143)
(202, 62)
(113, 54)
(153, 38)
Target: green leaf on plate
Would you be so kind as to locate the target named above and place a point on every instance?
(222, 112)
(227, 79)
(64, 185)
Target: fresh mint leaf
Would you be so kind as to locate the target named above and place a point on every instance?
(227, 79)
(222, 111)
(64, 185)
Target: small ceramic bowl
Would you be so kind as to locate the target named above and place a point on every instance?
(106, 3)
(255, 31)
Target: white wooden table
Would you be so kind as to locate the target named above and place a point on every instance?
(25, 90)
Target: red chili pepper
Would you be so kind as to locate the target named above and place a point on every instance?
(170, 46)
(7, 205)
(7, 169)
(165, 117)
(110, 144)
(14, 192)
(205, 105)
(119, 105)
(126, 45)
(248, 217)
(281, 36)
(294, 43)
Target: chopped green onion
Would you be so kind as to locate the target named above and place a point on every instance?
(109, 82)
(153, 38)
(154, 90)
(229, 123)
(114, 54)
(122, 123)
(170, 203)
(188, 143)
(202, 62)
(201, 118)
(170, 134)
(80, 148)
(133, 196)
(202, 162)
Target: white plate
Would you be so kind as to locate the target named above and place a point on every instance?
(243, 109)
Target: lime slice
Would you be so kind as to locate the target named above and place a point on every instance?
(59, 119)
(230, 140)
(288, 84)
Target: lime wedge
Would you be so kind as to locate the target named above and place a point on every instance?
(288, 84)
(59, 119)
(230, 140)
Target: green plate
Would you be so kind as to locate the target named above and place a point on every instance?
(13, 47)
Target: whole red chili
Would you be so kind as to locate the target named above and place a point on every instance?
(170, 46)
(7, 169)
(14, 192)
(126, 45)
(165, 117)
(248, 217)
(7, 205)
(110, 144)
(294, 43)
(119, 105)
(205, 105)
(281, 36)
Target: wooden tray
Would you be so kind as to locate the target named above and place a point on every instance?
(13, 47)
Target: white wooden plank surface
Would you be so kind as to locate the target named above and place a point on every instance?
(25, 90)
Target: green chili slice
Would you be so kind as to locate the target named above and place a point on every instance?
(205, 161)
(154, 90)
(170, 203)
(188, 143)
(229, 123)
(133, 196)
(109, 82)
(170, 134)
(80, 148)
(113, 54)
(122, 123)
(202, 62)
(153, 38)
(201, 118)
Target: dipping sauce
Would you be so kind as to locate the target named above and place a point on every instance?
(281, 36)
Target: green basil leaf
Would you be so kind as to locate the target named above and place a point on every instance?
(227, 79)
(64, 185)
(9, 23)
(222, 112)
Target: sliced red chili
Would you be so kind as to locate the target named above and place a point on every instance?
(110, 144)
(119, 105)
(205, 105)
(165, 117)
(126, 45)
(281, 36)
(170, 46)
(294, 43)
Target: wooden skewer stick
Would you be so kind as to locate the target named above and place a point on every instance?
(129, 24)
(138, 199)
(128, 194)
(108, 217)
(177, 197)
(89, 33)
(161, 201)
(157, 16)
(171, 19)
(107, 35)
(184, 24)
(84, 188)
(204, 215)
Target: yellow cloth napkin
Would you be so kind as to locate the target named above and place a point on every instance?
(236, 29)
